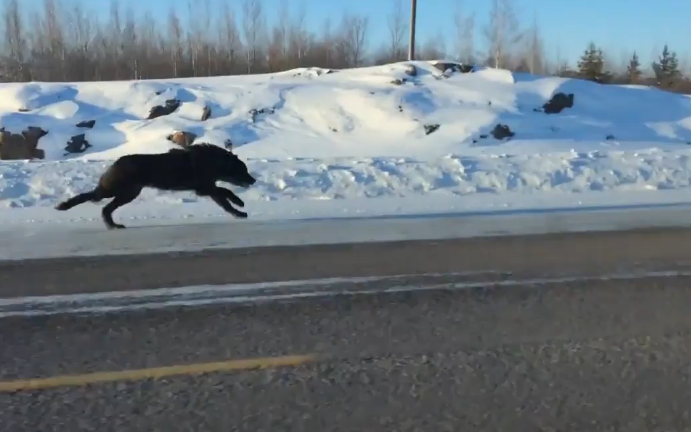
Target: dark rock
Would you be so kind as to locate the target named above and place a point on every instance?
(398, 81)
(170, 107)
(182, 138)
(34, 132)
(23, 110)
(77, 144)
(21, 146)
(206, 113)
(501, 132)
(255, 112)
(411, 70)
(431, 128)
(558, 103)
(157, 111)
(444, 66)
(610, 137)
(86, 124)
(483, 136)
(450, 67)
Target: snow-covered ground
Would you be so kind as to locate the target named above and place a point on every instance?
(55, 238)
(353, 144)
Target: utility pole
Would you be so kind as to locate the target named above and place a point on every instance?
(411, 43)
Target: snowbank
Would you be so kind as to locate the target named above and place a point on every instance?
(329, 135)
(43, 184)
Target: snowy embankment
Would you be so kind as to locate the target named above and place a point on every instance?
(354, 134)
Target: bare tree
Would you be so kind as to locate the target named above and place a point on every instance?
(352, 40)
(325, 52)
(433, 49)
(129, 47)
(284, 48)
(229, 38)
(14, 66)
(534, 57)
(299, 40)
(465, 35)
(62, 40)
(53, 35)
(193, 37)
(252, 26)
(653, 57)
(197, 43)
(147, 53)
(175, 37)
(502, 32)
(398, 29)
(281, 31)
(80, 40)
(113, 41)
(611, 63)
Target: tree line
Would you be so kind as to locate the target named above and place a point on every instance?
(666, 72)
(66, 42)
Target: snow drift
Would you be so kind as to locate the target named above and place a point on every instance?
(317, 134)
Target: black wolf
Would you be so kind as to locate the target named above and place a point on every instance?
(196, 168)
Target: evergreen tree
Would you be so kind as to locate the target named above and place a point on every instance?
(633, 70)
(591, 65)
(667, 69)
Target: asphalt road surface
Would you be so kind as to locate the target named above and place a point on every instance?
(521, 349)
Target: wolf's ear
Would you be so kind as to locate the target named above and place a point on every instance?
(228, 145)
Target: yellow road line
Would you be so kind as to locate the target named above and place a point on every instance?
(158, 372)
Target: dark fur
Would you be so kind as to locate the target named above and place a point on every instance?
(196, 168)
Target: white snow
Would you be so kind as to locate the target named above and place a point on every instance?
(351, 143)
(314, 223)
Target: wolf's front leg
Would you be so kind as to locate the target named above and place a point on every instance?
(225, 205)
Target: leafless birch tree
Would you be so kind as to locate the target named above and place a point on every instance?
(465, 35)
(252, 26)
(398, 30)
(502, 32)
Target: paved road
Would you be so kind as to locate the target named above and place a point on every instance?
(539, 255)
(595, 354)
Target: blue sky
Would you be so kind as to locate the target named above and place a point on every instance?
(619, 26)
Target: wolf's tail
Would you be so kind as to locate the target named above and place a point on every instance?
(95, 195)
